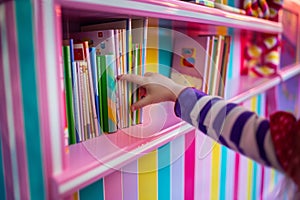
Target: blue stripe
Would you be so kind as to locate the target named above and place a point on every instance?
(254, 181)
(237, 129)
(165, 47)
(93, 191)
(24, 20)
(164, 187)
(186, 102)
(217, 124)
(223, 172)
(231, 54)
(260, 139)
(203, 113)
(2, 181)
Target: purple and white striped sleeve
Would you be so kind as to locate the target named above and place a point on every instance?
(229, 124)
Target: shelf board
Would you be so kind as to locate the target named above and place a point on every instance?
(245, 87)
(174, 10)
(95, 158)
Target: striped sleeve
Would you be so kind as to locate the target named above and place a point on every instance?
(229, 124)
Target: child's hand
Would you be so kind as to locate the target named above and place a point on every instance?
(156, 88)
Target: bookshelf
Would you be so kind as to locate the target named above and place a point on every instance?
(67, 170)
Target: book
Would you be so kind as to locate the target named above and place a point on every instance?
(69, 94)
(189, 60)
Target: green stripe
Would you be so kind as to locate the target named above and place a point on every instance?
(2, 182)
(92, 191)
(103, 94)
(24, 23)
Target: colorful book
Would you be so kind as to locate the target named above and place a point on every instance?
(189, 60)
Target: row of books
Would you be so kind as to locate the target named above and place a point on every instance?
(201, 62)
(93, 58)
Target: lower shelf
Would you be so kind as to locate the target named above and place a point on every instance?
(95, 158)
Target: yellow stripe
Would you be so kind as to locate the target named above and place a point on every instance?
(147, 178)
(272, 181)
(152, 46)
(250, 181)
(215, 175)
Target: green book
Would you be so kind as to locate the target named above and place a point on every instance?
(69, 94)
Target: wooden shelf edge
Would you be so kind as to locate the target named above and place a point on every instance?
(177, 10)
(267, 83)
(67, 182)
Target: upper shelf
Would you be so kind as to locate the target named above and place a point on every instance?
(249, 87)
(174, 10)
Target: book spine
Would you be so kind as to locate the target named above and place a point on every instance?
(69, 95)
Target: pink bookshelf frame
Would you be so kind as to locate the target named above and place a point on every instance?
(84, 163)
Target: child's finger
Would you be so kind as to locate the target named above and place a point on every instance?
(141, 103)
(132, 78)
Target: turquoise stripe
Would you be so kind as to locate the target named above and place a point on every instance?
(259, 102)
(230, 62)
(24, 23)
(165, 47)
(2, 182)
(223, 172)
(164, 158)
(254, 181)
(93, 191)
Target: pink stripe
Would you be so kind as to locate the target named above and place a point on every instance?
(262, 183)
(130, 181)
(113, 186)
(43, 99)
(57, 21)
(189, 163)
(17, 100)
(236, 176)
(7, 168)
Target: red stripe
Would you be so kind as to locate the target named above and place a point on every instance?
(113, 186)
(17, 100)
(189, 163)
(236, 176)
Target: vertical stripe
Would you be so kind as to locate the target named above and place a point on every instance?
(198, 140)
(93, 191)
(250, 176)
(130, 181)
(113, 186)
(223, 166)
(9, 140)
(152, 46)
(177, 168)
(236, 176)
(230, 172)
(189, 163)
(147, 179)
(164, 172)
(2, 111)
(230, 62)
(31, 119)
(165, 47)
(262, 180)
(215, 175)
(52, 31)
(2, 183)
(243, 178)
(255, 178)
(17, 101)
(205, 166)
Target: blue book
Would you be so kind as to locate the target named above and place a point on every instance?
(92, 51)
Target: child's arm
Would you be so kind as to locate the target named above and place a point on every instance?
(229, 124)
